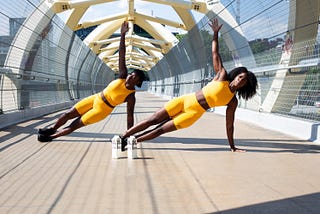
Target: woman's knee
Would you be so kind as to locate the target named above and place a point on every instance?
(76, 124)
(158, 117)
(72, 113)
(165, 128)
(153, 120)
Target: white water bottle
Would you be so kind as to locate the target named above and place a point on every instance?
(116, 147)
(132, 148)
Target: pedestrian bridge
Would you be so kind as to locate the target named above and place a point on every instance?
(51, 56)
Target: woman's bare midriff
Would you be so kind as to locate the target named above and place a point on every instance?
(202, 100)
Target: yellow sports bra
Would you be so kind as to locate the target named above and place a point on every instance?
(116, 92)
(217, 93)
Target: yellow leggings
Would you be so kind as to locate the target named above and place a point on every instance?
(184, 110)
(92, 109)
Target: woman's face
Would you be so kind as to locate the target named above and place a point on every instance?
(133, 78)
(241, 80)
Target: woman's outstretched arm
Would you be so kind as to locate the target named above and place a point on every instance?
(216, 58)
(123, 71)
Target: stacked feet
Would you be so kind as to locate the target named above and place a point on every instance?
(44, 135)
(120, 144)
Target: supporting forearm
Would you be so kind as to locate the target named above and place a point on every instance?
(230, 137)
(130, 122)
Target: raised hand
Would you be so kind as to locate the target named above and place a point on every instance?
(214, 24)
(124, 27)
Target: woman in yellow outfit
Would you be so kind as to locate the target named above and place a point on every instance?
(98, 106)
(183, 111)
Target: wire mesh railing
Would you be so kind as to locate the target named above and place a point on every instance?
(287, 67)
(42, 61)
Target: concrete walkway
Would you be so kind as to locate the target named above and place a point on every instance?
(187, 171)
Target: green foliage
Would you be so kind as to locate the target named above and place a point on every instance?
(225, 53)
(261, 45)
(223, 49)
(180, 36)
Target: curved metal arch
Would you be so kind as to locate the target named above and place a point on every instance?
(97, 40)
